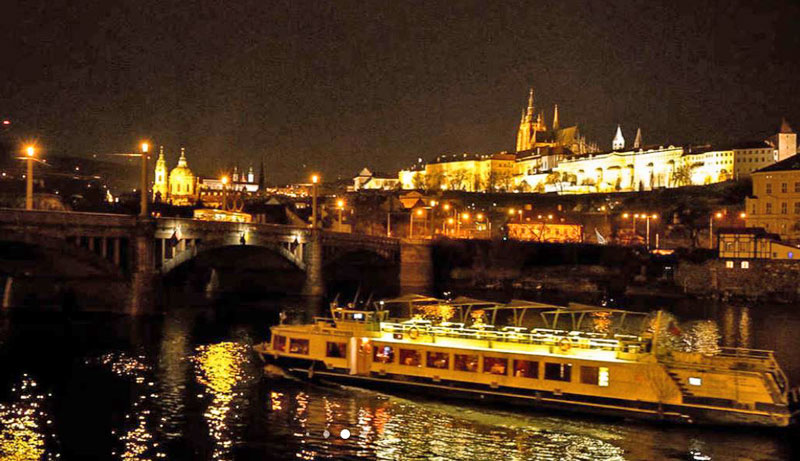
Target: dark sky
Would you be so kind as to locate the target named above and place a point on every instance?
(341, 85)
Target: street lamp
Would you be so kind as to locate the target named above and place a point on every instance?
(314, 181)
(31, 152)
(224, 204)
(717, 215)
(143, 186)
(419, 212)
(340, 206)
(649, 217)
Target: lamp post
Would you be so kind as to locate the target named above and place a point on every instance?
(314, 181)
(340, 206)
(30, 151)
(224, 181)
(649, 217)
(143, 195)
(417, 212)
(717, 215)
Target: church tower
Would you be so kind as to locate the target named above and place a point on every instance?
(619, 142)
(785, 141)
(160, 182)
(637, 143)
(555, 117)
(526, 136)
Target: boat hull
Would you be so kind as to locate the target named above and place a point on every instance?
(518, 398)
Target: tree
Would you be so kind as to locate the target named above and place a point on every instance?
(457, 179)
(434, 181)
(418, 181)
(682, 176)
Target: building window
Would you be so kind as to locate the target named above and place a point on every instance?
(784, 208)
(383, 354)
(526, 369)
(298, 346)
(495, 365)
(769, 208)
(279, 343)
(728, 246)
(797, 186)
(695, 381)
(465, 362)
(729, 264)
(558, 371)
(336, 350)
(796, 207)
(769, 188)
(438, 360)
(410, 357)
(745, 264)
(784, 188)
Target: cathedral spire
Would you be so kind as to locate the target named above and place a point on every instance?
(540, 121)
(619, 142)
(637, 143)
(555, 117)
(785, 127)
(530, 105)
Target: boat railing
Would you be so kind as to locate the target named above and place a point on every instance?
(734, 358)
(542, 337)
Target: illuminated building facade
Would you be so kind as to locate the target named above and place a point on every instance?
(177, 187)
(366, 179)
(471, 173)
(775, 203)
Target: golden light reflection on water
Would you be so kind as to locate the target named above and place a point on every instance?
(136, 434)
(220, 368)
(25, 427)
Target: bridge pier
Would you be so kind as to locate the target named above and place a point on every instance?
(312, 254)
(142, 297)
(416, 266)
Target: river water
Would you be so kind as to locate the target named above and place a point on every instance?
(185, 385)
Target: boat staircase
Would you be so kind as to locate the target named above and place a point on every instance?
(685, 392)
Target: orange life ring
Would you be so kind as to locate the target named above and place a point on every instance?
(565, 344)
(413, 332)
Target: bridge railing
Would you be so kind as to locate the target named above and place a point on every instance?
(46, 217)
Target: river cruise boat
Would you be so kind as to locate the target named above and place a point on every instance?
(545, 357)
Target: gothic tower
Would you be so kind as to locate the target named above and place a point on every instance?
(619, 142)
(555, 117)
(637, 143)
(160, 181)
(526, 135)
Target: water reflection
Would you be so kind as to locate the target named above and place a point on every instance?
(136, 435)
(26, 429)
(220, 368)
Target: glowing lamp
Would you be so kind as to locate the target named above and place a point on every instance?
(30, 151)
(145, 147)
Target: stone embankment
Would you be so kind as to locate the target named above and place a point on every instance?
(763, 280)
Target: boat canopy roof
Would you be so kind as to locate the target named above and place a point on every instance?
(411, 298)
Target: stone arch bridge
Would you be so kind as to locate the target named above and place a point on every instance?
(137, 252)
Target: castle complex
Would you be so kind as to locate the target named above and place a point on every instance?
(555, 159)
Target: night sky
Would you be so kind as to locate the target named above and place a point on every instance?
(336, 86)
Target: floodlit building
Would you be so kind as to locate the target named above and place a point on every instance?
(775, 203)
(366, 179)
(179, 186)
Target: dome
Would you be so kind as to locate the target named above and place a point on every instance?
(181, 178)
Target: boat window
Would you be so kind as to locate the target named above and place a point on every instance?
(438, 360)
(410, 357)
(558, 371)
(589, 375)
(383, 354)
(495, 365)
(298, 346)
(694, 381)
(526, 369)
(336, 350)
(279, 343)
(602, 377)
(465, 362)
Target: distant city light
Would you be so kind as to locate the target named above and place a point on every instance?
(6, 122)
